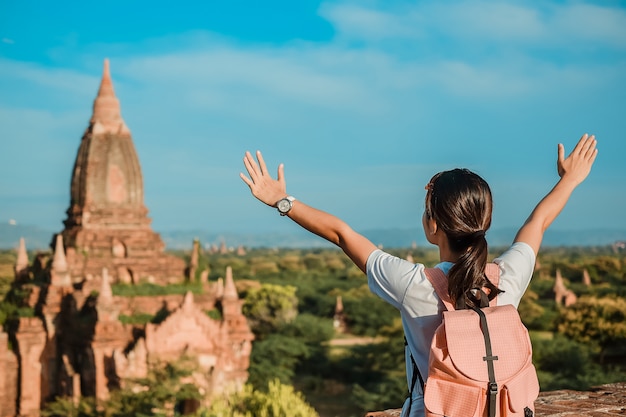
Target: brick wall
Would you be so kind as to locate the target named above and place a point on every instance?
(603, 401)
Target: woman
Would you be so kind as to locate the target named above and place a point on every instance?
(456, 217)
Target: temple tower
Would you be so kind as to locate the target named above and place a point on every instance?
(239, 332)
(107, 223)
(21, 264)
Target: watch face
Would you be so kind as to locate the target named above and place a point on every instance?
(284, 205)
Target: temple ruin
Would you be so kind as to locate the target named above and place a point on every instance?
(563, 295)
(75, 343)
(107, 223)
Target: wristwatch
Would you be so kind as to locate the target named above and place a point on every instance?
(284, 204)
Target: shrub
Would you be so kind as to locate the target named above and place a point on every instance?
(269, 307)
(278, 401)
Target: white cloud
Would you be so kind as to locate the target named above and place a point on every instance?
(268, 83)
(263, 72)
(260, 81)
(591, 23)
(493, 23)
(37, 138)
(483, 82)
(358, 22)
(63, 79)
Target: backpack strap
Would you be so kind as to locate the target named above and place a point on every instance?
(492, 270)
(416, 375)
(439, 281)
(489, 358)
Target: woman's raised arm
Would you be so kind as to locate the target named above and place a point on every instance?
(573, 170)
(325, 225)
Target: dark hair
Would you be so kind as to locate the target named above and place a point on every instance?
(460, 202)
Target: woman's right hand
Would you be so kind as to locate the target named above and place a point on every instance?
(572, 170)
(578, 164)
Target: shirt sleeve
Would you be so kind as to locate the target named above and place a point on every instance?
(389, 277)
(516, 269)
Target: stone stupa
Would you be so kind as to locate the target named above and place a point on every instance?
(107, 223)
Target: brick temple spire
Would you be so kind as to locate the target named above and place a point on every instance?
(21, 264)
(107, 222)
(59, 274)
(107, 115)
(230, 291)
(59, 262)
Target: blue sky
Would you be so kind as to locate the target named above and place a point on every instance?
(363, 102)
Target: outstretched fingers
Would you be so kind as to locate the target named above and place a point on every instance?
(255, 169)
(281, 173)
(260, 182)
(585, 146)
(249, 164)
(580, 145)
(560, 158)
(589, 150)
(593, 155)
(578, 163)
(254, 172)
(245, 179)
(261, 163)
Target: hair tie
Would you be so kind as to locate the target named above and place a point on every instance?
(478, 234)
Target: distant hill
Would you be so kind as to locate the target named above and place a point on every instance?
(504, 237)
(36, 237)
(39, 238)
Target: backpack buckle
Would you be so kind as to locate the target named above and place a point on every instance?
(493, 388)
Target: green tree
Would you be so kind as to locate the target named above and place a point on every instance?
(67, 407)
(566, 364)
(599, 322)
(277, 400)
(366, 314)
(314, 261)
(378, 372)
(314, 332)
(529, 311)
(263, 266)
(269, 307)
(275, 357)
(292, 263)
(157, 394)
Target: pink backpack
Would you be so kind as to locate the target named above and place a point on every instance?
(480, 359)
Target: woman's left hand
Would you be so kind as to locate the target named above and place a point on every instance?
(261, 183)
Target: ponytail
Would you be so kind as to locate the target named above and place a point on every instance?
(460, 202)
(468, 273)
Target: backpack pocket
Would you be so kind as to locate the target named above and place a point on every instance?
(446, 398)
(520, 393)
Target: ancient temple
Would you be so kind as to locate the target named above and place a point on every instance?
(339, 318)
(107, 223)
(562, 294)
(74, 343)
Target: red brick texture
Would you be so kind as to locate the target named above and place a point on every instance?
(603, 401)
